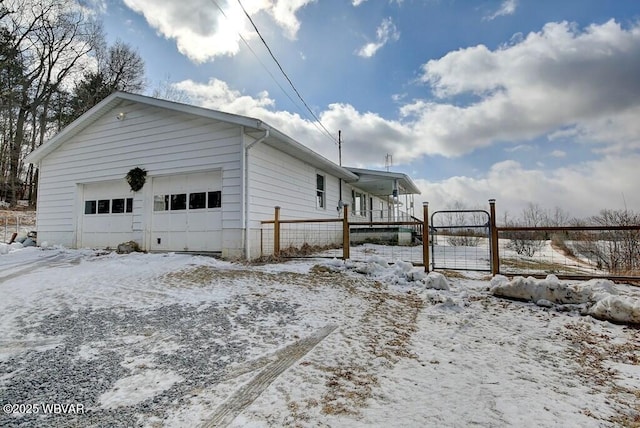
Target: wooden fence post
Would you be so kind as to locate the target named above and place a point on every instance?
(495, 256)
(425, 235)
(345, 233)
(276, 233)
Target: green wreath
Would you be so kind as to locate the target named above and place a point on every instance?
(136, 178)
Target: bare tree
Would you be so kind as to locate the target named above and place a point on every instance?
(48, 39)
(524, 242)
(168, 91)
(466, 226)
(119, 68)
(617, 251)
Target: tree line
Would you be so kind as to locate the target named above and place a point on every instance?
(55, 64)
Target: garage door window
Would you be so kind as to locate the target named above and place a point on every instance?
(109, 206)
(103, 206)
(161, 203)
(90, 207)
(197, 200)
(117, 206)
(215, 199)
(179, 202)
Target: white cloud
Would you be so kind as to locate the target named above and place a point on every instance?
(519, 148)
(555, 79)
(508, 7)
(217, 95)
(581, 189)
(367, 136)
(558, 154)
(558, 83)
(385, 33)
(202, 31)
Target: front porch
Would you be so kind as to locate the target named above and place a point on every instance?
(395, 220)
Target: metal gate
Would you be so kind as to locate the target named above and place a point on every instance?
(460, 240)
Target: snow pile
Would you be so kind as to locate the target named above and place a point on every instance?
(400, 272)
(617, 308)
(436, 281)
(599, 296)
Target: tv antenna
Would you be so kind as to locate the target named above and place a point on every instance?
(388, 161)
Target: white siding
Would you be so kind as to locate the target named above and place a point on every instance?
(277, 179)
(160, 141)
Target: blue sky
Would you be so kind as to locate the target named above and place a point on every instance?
(524, 101)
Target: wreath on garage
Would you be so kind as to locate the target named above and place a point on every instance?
(136, 178)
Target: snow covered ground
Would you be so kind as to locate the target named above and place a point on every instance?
(177, 340)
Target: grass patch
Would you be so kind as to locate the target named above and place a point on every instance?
(538, 266)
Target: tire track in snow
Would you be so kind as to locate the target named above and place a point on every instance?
(243, 397)
(31, 266)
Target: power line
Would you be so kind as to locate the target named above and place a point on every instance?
(285, 74)
(256, 56)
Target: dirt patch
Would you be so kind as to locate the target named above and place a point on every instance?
(377, 339)
(593, 351)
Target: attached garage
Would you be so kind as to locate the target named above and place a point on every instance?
(187, 212)
(210, 179)
(105, 214)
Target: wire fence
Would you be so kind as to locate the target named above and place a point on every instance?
(303, 239)
(460, 240)
(349, 237)
(600, 251)
(464, 240)
(449, 253)
(19, 223)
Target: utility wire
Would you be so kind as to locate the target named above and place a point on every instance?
(316, 122)
(257, 57)
(285, 74)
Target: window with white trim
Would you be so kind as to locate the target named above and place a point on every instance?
(320, 192)
(109, 206)
(359, 203)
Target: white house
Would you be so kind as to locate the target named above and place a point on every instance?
(211, 178)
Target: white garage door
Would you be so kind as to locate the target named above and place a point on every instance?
(187, 212)
(106, 217)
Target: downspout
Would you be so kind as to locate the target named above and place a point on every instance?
(247, 189)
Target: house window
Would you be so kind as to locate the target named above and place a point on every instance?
(90, 207)
(129, 206)
(359, 204)
(214, 199)
(381, 209)
(197, 200)
(103, 206)
(320, 191)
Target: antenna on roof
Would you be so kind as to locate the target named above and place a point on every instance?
(388, 161)
(339, 147)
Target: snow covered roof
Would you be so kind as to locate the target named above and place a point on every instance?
(275, 139)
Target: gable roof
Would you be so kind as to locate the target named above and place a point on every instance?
(275, 138)
(381, 183)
